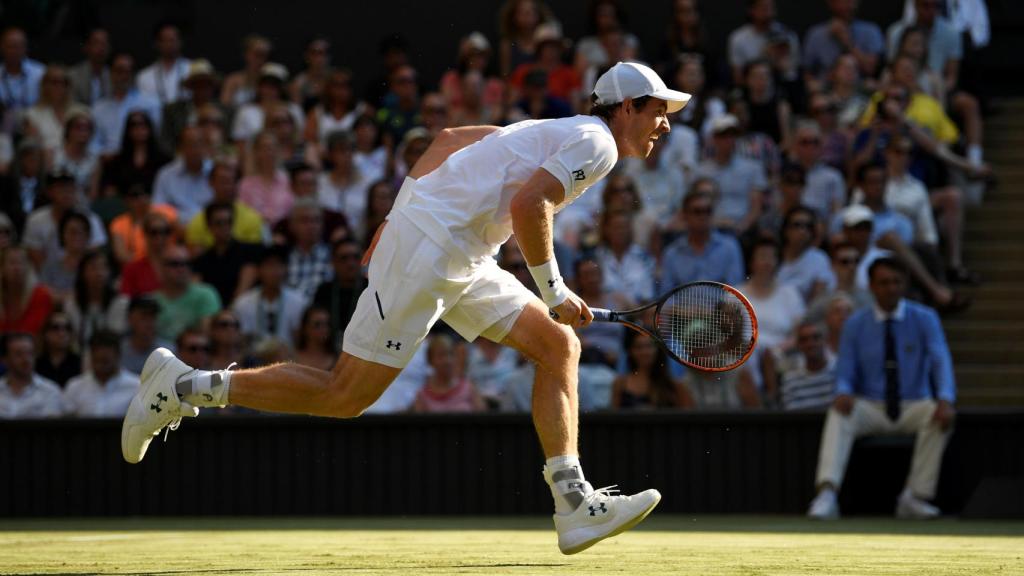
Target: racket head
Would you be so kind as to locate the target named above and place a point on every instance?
(707, 326)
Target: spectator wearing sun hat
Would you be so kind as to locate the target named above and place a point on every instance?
(201, 81)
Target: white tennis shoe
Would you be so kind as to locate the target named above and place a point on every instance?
(602, 515)
(825, 506)
(156, 405)
(911, 507)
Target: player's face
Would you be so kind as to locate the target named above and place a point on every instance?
(644, 127)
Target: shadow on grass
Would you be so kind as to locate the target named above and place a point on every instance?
(667, 523)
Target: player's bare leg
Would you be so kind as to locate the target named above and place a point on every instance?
(583, 516)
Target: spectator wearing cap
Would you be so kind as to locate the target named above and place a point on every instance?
(247, 224)
(183, 301)
(105, 389)
(808, 381)
(240, 87)
(95, 304)
(162, 79)
(77, 157)
(750, 42)
(802, 264)
(184, 183)
(343, 188)
(894, 374)
(42, 238)
(137, 162)
(467, 88)
(563, 81)
(336, 111)
(142, 275)
(843, 33)
(400, 109)
(23, 392)
(24, 302)
(309, 85)
(201, 82)
(90, 78)
(266, 188)
(45, 119)
(271, 93)
(271, 310)
(141, 338)
(339, 294)
(112, 110)
(127, 232)
(57, 360)
(228, 265)
(701, 253)
(22, 189)
(741, 181)
(19, 75)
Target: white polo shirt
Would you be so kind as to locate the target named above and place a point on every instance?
(40, 399)
(465, 202)
(86, 396)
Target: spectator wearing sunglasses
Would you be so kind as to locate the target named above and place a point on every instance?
(701, 253)
(127, 231)
(803, 265)
(194, 347)
(339, 295)
(57, 360)
(825, 191)
(140, 275)
(183, 301)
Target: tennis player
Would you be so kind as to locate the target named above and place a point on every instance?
(434, 259)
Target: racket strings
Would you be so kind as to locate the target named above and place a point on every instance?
(706, 326)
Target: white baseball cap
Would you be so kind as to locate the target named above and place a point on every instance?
(856, 214)
(633, 80)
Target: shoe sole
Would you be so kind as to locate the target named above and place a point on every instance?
(147, 377)
(630, 524)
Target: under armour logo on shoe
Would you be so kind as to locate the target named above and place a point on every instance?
(160, 399)
(578, 175)
(395, 345)
(595, 509)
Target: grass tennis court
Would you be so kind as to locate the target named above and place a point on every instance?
(662, 545)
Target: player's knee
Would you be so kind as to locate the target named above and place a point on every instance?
(561, 347)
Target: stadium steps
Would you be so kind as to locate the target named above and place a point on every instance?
(987, 340)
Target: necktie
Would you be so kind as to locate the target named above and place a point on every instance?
(892, 374)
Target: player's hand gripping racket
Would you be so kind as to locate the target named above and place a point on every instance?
(704, 325)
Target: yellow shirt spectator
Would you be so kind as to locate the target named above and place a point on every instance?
(248, 227)
(924, 111)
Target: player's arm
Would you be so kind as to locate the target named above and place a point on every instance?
(448, 142)
(533, 213)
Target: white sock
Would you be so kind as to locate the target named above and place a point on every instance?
(205, 388)
(568, 486)
(974, 154)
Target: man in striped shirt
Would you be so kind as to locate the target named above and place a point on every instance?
(811, 379)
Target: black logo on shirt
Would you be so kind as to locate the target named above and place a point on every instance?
(396, 345)
(578, 175)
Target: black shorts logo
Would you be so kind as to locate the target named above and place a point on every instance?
(578, 175)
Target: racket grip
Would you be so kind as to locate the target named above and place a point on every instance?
(600, 315)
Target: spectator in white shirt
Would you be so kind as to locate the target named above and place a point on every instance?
(41, 229)
(628, 269)
(112, 111)
(23, 393)
(162, 79)
(105, 389)
(271, 310)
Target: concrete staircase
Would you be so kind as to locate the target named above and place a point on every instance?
(987, 341)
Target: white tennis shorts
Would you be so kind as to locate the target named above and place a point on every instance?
(413, 282)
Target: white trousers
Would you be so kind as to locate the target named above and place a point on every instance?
(868, 418)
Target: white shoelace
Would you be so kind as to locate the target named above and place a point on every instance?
(607, 491)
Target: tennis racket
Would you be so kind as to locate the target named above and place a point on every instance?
(707, 326)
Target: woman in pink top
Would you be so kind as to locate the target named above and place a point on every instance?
(266, 187)
(444, 391)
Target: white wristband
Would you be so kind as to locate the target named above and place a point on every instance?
(552, 288)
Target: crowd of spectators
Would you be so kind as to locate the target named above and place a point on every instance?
(224, 215)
